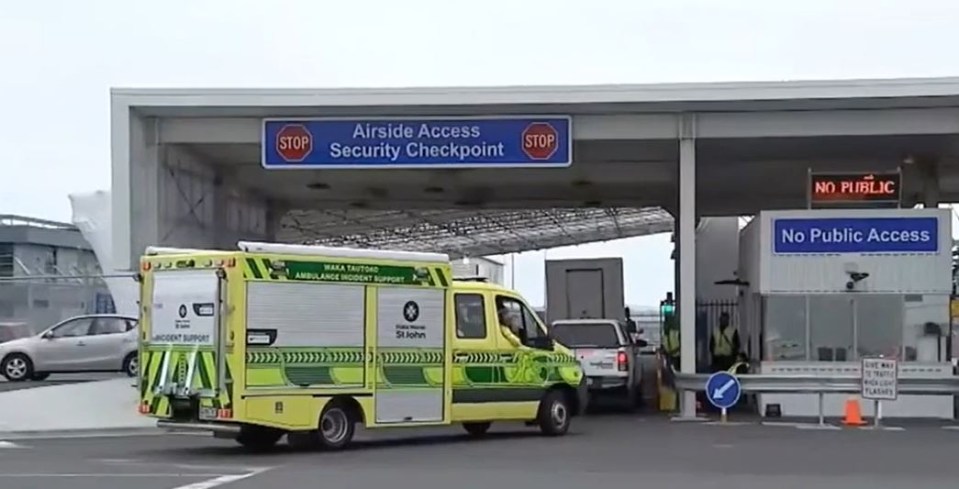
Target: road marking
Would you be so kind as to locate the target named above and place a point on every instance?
(223, 479)
(811, 426)
(144, 475)
(10, 444)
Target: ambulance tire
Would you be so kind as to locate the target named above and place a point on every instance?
(554, 413)
(477, 430)
(337, 425)
(258, 438)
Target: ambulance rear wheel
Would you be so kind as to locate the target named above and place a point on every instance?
(337, 426)
(258, 438)
(477, 429)
(554, 414)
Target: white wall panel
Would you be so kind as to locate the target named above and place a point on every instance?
(828, 272)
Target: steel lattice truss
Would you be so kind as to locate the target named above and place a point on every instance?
(470, 232)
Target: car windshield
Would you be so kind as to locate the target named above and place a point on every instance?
(574, 335)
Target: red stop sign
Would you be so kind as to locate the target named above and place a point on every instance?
(294, 143)
(540, 141)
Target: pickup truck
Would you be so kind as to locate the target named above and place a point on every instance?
(609, 354)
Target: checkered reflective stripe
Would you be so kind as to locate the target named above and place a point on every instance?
(434, 357)
(505, 357)
(306, 357)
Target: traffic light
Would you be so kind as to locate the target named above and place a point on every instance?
(667, 307)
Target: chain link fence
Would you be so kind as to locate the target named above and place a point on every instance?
(30, 304)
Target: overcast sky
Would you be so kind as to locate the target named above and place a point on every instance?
(60, 57)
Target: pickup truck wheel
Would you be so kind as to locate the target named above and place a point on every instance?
(554, 414)
(258, 438)
(17, 367)
(477, 429)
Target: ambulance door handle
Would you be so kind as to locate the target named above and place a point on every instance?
(461, 356)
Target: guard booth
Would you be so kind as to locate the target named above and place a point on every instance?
(827, 287)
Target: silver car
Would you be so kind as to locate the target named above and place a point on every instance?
(92, 343)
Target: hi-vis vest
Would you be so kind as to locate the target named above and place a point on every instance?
(723, 341)
(671, 342)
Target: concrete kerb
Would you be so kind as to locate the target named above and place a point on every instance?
(92, 433)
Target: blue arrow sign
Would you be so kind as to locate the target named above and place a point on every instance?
(723, 390)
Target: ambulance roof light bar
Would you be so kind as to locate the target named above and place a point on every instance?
(470, 278)
(165, 250)
(315, 250)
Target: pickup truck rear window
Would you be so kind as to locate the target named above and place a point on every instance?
(596, 335)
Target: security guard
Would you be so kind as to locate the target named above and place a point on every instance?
(724, 344)
(671, 346)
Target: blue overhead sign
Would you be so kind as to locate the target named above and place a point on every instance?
(723, 390)
(856, 235)
(434, 142)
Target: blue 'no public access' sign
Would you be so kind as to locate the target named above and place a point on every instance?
(417, 142)
(723, 390)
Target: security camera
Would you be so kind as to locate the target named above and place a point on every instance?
(855, 278)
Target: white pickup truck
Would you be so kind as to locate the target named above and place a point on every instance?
(609, 355)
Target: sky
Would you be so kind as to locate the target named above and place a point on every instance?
(62, 56)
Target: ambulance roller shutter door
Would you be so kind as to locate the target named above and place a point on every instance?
(410, 340)
(306, 315)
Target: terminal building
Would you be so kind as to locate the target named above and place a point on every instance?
(48, 272)
(822, 166)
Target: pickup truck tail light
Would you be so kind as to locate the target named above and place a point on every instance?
(622, 361)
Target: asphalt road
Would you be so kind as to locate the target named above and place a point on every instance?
(57, 379)
(607, 451)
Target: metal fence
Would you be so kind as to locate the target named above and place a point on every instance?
(36, 302)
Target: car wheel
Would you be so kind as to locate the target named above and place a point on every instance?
(554, 414)
(17, 367)
(336, 427)
(131, 365)
(477, 429)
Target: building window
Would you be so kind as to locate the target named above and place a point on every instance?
(831, 335)
(925, 328)
(784, 317)
(846, 328)
(6, 260)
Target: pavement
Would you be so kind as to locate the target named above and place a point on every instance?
(601, 451)
(96, 405)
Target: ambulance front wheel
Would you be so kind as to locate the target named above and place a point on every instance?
(337, 425)
(554, 413)
(477, 429)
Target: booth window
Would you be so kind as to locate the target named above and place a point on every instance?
(831, 335)
(846, 328)
(784, 317)
(925, 328)
(879, 325)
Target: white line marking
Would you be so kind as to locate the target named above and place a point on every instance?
(9, 444)
(131, 475)
(223, 479)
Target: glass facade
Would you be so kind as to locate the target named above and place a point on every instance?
(840, 328)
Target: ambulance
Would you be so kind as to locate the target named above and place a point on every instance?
(277, 340)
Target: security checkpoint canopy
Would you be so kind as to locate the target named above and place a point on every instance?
(187, 162)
